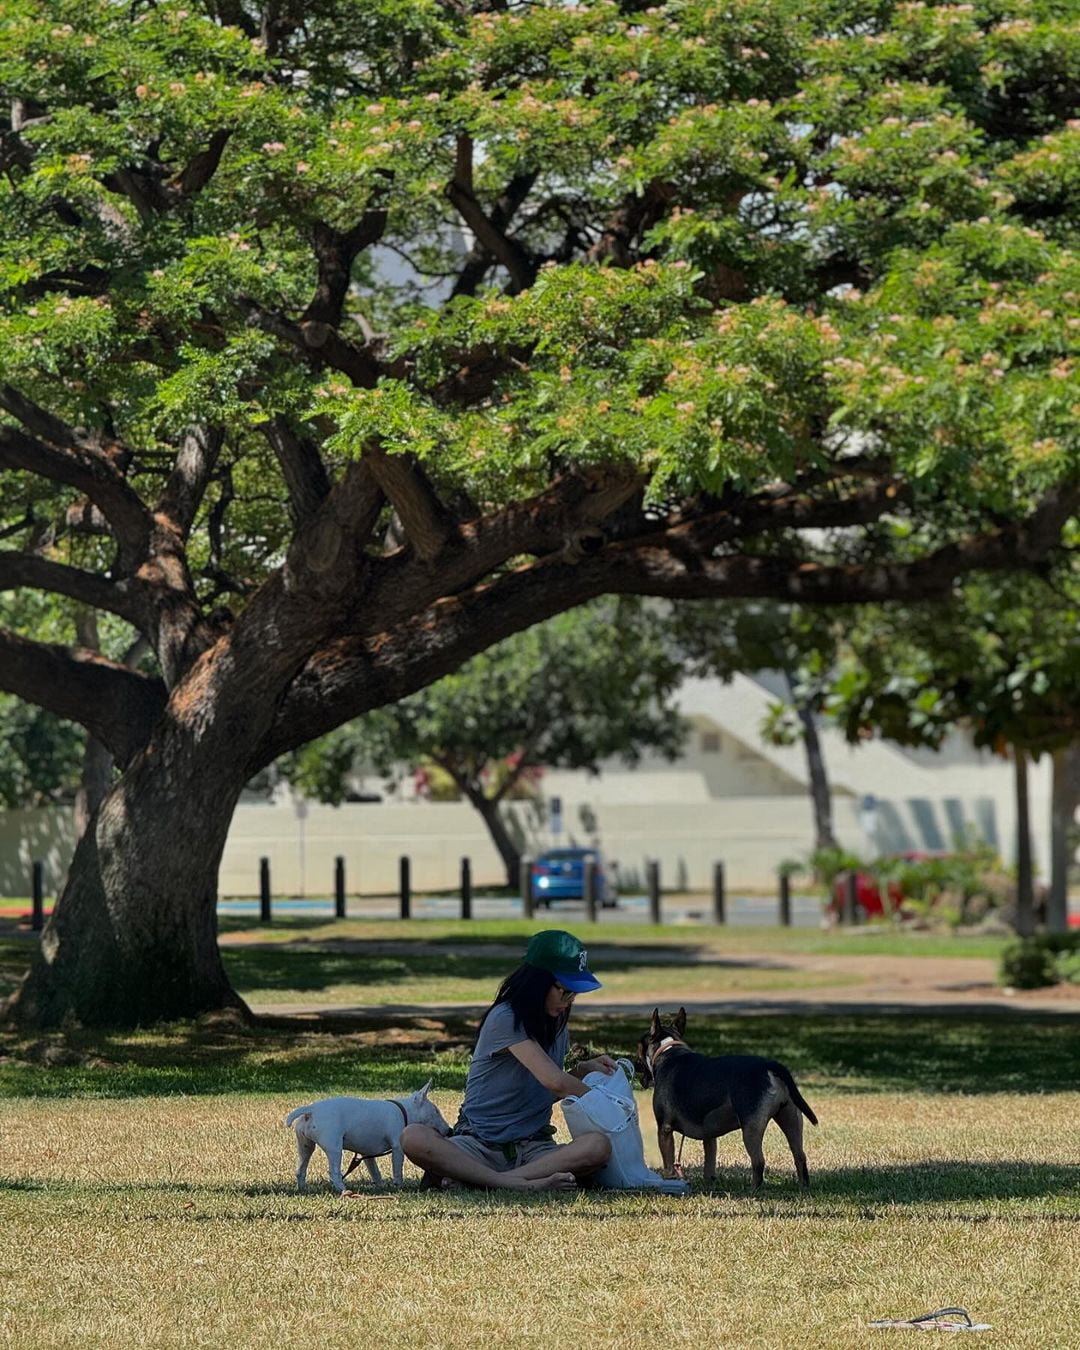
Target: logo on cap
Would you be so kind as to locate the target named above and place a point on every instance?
(583, 959)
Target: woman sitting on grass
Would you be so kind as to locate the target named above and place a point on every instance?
(504, 1135)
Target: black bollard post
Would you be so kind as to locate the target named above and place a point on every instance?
(526, 887)
(652, 871)
(339, 888)
(589, 889)
(37, 912)
(264, 890)
(405, 886)
(466, 889)
(851, 897)
(718, 896)
(785, 900)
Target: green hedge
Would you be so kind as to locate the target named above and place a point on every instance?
(1035, 962)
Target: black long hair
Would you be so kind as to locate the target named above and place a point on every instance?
(526, 991)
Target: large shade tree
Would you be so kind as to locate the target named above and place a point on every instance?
(340, 339)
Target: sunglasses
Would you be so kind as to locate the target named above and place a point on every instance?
(567, 995)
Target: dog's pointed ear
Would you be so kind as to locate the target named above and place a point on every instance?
(680, 1021)
(426, 1088)
(654, 1027)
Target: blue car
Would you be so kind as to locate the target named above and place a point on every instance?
(559, 874)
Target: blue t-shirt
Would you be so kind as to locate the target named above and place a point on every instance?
(503, 1101)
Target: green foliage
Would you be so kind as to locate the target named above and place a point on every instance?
(826, 864)
(961, 887)
(750, 238)
(928, 147)
(1000, 659)
(1042, 960)
(40, 755)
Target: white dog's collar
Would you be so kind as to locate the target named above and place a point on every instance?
(665, 1044)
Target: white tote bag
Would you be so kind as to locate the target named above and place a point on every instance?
(610, 1108)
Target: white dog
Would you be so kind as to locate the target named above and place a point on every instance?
(370, 1128)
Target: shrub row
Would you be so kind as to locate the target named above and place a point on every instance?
(1035, 962)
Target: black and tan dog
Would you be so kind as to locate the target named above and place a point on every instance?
(704, 1097)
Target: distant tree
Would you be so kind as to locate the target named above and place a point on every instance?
(1002, 660)
(39, 756)
(588, 685)
(797, 643)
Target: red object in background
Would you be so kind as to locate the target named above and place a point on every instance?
(867, 891)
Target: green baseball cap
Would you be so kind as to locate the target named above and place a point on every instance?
(563, 956)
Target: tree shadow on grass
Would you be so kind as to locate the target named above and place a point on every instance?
(836, 1193)
(390, 1053)
(873, 1052)
(931, 1183)
(324, 966)
(218, 1055)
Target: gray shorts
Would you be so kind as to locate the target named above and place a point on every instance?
(495, 1158)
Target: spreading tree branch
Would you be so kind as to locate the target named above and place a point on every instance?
(191, 473)
(86, 468)
(320, 343)
(480, 258)
(116, 705)
(302, 468)
(489, 235)
(18, 570)
(357, 673)
(426, 521)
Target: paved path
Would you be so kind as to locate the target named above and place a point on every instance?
(741, 910)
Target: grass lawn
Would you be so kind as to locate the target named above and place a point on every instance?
(311, 961)
(511, 934)
(314, 962)
(146, 1191)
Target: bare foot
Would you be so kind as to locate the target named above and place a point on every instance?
(558, 1181)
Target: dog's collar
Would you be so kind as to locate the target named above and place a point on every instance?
(358, 1158)
(664, 1045)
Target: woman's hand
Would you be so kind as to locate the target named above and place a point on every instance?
(601, 1064)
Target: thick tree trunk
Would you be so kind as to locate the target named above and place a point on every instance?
(133, 938)
(500, 836)
(1025, 890)
(1064, 801)
(94, 780)
(97, 766)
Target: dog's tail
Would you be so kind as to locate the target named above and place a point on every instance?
(800, 1101)
(295, 1115)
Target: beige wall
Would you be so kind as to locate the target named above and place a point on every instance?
(751, 835)
(27, 837)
